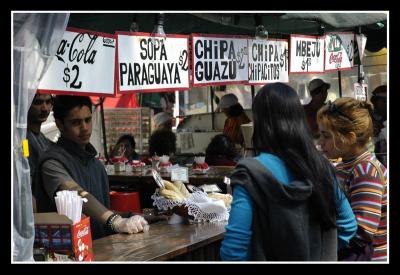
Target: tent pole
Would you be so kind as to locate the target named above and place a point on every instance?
(340, 83)
(212, 107)
(252, 93)
(103, 125)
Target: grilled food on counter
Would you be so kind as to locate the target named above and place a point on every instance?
(175, 191)
(182, 188)
(171, 195)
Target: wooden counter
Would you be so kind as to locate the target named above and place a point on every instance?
(178, 242)
(143, 182)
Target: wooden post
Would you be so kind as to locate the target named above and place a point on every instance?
(340, 83)
(212, 107)
(103, 125)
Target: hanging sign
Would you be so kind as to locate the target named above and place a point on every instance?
(360, 91)
(306, 54)
(219, 59)
(152, 63)
(268, 61)
(339, 51)
(84, 64)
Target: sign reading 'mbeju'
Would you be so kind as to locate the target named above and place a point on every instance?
(219, 59)
(339, 51)
(152, 63)
(84, 64)
(268, 61)
(306, 54)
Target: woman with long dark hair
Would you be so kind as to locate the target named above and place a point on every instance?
(286, 205)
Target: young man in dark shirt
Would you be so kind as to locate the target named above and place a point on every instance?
(71, 165)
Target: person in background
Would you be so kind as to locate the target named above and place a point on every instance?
(37, 114)
(167, 102)
(70, 164)
(162, 121)
(162, 142)
(379, 120)
(125, 146)
(346, 127)
(236, 116)
(319, 92)
(287, 205)
(220, 151)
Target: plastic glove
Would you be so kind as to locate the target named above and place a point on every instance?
(134, 224)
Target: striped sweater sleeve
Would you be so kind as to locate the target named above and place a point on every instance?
(345, 219)
(366, 196)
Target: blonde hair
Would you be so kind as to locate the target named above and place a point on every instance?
(347, 115)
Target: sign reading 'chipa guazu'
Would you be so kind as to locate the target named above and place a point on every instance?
(219, 59)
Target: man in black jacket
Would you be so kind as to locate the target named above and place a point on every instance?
(71, 165)
(37, 114)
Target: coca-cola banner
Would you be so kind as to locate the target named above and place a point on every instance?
(219, 59)
(84, 64)
(306, 54)
(339, 51)
(152, 63)
(268, 61)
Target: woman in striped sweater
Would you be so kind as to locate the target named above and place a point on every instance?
(346, 127)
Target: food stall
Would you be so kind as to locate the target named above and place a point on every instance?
(186, 241)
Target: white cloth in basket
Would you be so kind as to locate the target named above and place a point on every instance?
(199, 205)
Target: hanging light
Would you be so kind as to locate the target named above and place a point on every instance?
(158, 30)
(261, 32)
(134, 26)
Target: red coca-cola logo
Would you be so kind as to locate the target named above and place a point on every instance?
(335, 58)
(83, 232)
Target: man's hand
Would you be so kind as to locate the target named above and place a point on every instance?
(134, 224)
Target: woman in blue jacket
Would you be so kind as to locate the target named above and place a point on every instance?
(287, 205)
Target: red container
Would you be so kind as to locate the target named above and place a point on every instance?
(125, 201)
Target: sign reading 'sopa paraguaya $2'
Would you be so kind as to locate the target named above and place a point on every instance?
(151, 63)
